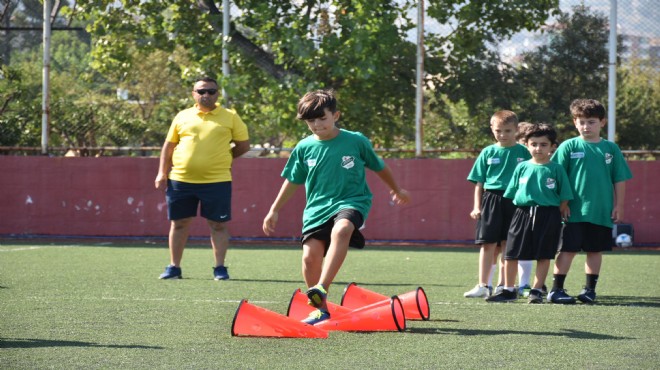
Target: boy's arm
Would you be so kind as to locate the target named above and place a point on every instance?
(476, 208)
(399, 196)
(286, 192)
(564, 210)
(619, 200)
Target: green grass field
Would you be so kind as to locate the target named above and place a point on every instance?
(100, 305)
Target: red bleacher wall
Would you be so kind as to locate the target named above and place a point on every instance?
(115, 196)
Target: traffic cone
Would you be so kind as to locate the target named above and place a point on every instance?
(255, 321)
(299, 309)
(415, 303)
(386, 315)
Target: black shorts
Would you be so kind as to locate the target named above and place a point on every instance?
(534, 234)
(184, 198)
(324, 231)
(587, 237)
(496, 215)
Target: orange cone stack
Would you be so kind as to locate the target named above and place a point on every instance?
(415, 303)
(386, 315)
(255, 321)
(299, 309)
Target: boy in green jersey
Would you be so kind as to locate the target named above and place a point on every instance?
(331, 165)
(597, 172)
(491, 173)
(540, 191)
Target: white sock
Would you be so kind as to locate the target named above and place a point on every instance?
(492, 273)
(524, 272)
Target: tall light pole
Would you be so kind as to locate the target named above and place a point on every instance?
(45, 89)
(611, 93)
(419, 96)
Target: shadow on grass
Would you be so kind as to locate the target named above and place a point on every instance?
(567, 333)
(40, 343)
(630, 301)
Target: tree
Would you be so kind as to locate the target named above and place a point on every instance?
(280, 49)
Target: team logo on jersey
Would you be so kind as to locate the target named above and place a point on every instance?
(550, 183)
(311, 162)
(577, 155)
(347, 161)
(608, 158)
(493, 160)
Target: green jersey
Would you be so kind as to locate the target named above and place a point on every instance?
(539, 185)
(495, 164)
(333, 172)
(593, 169)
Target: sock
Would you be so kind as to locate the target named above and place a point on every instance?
(492, 273)
(592, 280)
(558, 281)
(524, 272)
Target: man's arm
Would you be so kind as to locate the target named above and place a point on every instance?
(240, 148)
(165, 164)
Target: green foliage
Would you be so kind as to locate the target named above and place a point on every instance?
(638, 106)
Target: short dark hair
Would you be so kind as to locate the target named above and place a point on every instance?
(587, 108)
(540, 130)
(313, 104)
(207, 79)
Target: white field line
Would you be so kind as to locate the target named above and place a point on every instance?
(20, 249)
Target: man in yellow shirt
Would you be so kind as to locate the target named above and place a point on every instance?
(195, 168)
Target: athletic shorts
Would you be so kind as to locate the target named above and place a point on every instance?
(534, 234)
(496, 215)
(587, 237)
(324, 231)
(184, 198)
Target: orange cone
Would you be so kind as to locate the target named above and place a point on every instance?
(386, 315)
(299, 309)
(255, 321)
(415, 303)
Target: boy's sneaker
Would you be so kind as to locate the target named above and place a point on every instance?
(587, 295)
(499, 289)
(503, 296)
(544, 290)
(220, 273)
(171, 272)
(523, 291)
(535, 296)
(316, 317)
(316, 296)
(479, 291)
(560, 296)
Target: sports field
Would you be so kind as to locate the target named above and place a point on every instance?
(100, 305)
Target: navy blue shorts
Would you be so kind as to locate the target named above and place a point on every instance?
(585, 236)
(184, 198)
(496, 215)
(324, 231)
(534, 234)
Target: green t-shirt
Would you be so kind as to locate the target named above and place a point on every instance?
(539, 185)
(495, 164)
(333, 172)
(593, 169)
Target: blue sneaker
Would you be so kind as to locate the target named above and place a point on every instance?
(316, 317)
(171, 272)
(560, 296)
(523, 291)
(316, 295)
(220, 273)
(587, 295)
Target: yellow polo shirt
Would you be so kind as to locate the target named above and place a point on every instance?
(203, 154)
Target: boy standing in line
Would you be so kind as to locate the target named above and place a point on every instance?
(597, 172)
(540, 191)
(491, 174)
(331, 164)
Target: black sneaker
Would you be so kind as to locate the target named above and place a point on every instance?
(560, 296)
(535, 296)
(544, 290)
(587, 295)
(503, 296)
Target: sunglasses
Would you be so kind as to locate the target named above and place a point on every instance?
(206, 91)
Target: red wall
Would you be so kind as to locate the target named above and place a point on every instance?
(116, 197)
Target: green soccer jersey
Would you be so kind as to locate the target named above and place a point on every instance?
(333, 172)
(495, 164)
(539, 185)
(593, 169)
